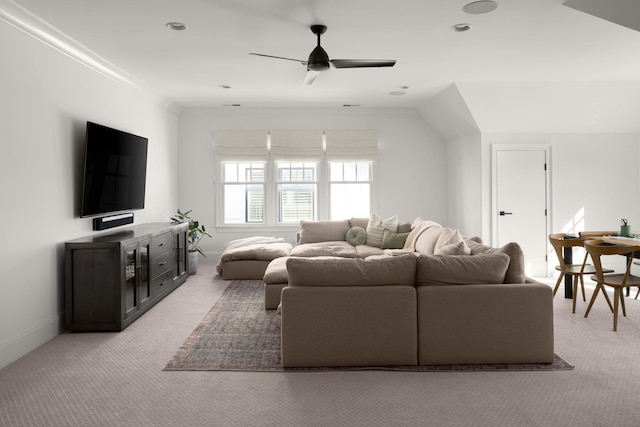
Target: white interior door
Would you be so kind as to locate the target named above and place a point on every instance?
(520, 202)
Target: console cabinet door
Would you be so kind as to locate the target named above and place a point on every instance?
(181, 253)
(137, 287)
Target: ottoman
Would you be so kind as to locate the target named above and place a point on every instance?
(275, 278)
(250, 262)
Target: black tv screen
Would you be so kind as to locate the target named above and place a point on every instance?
(115, 171)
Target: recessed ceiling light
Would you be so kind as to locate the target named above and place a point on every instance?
(479, 7)
(224, 86)
(397, 93)
(176, 26)
(461, 27)
(403, 87)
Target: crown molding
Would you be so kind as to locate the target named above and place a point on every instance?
(30, 24)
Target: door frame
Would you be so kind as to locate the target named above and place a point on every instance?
(495, 148)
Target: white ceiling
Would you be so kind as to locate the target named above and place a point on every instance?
(521, 41)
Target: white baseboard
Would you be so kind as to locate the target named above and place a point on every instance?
(17, 346)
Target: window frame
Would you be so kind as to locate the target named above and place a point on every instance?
(323, 193)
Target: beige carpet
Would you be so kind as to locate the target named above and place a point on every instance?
(238, 334)
(117, 379)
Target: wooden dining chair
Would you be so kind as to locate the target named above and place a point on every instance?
(559, 243)
(618, 281)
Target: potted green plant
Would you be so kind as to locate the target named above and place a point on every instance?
(196, 232)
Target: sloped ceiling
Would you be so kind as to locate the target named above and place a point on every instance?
(622, 12)
(520, 41)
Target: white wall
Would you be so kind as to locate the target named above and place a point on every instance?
(464, 183)
(47, 97)
(594, 178)
(410, 174)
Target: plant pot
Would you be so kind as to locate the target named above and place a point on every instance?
(193, 263)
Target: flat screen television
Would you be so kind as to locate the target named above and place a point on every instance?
(115, 171)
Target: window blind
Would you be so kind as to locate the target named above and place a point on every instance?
(302, 145)
(351, 144)
(241, 145)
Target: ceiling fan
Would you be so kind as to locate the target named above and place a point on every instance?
(319, 59)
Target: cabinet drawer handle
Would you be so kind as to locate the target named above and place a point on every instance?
(161, 244)
(163, 263)
(163, 282)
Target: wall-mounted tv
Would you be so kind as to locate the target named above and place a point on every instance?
(115, 171)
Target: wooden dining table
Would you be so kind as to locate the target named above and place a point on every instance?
(607, 238)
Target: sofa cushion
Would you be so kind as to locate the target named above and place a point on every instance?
(331, 271)
(276, 271)
(391, 240)
(323, 231)
(376, 227)
(359, 222)
(334, 248)
(461, 270)
(515, 273)
(356, 236)
(365, 251)
(404, 227)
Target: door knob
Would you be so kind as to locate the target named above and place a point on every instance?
(503, 213)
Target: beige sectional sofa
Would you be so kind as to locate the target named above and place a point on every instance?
(440, 299)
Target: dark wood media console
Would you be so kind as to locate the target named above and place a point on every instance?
(112, 279)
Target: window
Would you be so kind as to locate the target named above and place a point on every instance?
(297, 188)
(350, 189)
(244, 192)
(280, 177)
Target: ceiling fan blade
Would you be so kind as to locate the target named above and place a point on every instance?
(362, 63)
(310, 77)
(280, 57)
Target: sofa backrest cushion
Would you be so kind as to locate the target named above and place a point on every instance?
(461, 269)
(359, 222)
(373, 271)
(323, 231)
(515, 272)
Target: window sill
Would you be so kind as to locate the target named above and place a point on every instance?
(257, 228)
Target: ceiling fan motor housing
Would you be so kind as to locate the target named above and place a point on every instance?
(318, 60)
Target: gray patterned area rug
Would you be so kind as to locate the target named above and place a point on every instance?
(238, 334)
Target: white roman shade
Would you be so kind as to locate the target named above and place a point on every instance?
(302, 145)
(241, 145)
(352, 144)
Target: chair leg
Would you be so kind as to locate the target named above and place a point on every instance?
(584, 298)
(593, 298)
(575, 294)
(616, 301)
(606, 296)
(624, 310)
(558, 283)
(638, 292)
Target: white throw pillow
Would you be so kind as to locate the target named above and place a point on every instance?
(376, 226)
(451, 242)
(460, 248)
